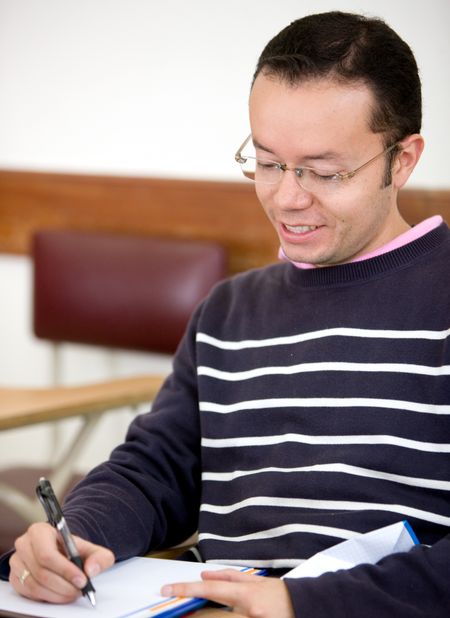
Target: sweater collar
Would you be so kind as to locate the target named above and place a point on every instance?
(413, 233)
(353, 272)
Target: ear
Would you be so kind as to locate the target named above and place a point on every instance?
(407, 159)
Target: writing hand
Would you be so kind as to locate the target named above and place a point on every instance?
(40, 570)
(248, 595)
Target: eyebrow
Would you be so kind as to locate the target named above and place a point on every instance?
(323, 156)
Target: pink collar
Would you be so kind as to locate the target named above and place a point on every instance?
(412, 234)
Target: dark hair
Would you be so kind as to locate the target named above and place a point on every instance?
(352, 48)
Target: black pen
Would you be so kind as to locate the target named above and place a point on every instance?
(56, 518)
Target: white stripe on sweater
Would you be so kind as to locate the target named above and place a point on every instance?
(336, 505)
(328, 332)
(234, 376)
(335, 468)
(272, 533)
(373, 440)
(324, 402)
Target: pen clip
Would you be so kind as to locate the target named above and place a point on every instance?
(48, 500)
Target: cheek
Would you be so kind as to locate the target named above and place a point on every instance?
(261, 192)
(349, 208)
(265, 195)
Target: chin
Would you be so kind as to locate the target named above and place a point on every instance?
(317, 261)
(295, 256)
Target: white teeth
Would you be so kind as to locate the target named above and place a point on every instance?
(299, 229)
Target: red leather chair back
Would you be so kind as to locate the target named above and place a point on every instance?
(120, 291)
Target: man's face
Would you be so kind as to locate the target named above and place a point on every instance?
(324, 125)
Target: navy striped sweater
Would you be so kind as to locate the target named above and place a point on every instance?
(305, 407)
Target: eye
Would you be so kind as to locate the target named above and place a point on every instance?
(322, 176)
(267, 165)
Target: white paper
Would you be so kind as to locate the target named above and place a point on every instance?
(132, 587)
(129, 588)
(367, 548)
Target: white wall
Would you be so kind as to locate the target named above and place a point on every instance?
(143, 87)
(150, 87)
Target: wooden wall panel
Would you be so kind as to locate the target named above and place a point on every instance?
(227, 212)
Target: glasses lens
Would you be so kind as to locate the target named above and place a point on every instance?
(258, 170)
(248, 168)
(269, 172)
(318, 181)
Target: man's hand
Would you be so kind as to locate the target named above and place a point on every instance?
(248, 595)
(41, 571)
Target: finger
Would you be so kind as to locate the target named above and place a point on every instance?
(26, 585)
(96, 558)
(248, 598)
(223, 592)
(231, 575)
(53, 574)
(50, 565)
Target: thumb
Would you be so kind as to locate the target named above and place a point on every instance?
(95, 557)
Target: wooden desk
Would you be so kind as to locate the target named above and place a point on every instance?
(23, 407)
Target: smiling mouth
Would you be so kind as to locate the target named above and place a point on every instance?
(300, 229)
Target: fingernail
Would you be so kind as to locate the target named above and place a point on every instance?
(79, 582)
(93, 569)
(167, 591)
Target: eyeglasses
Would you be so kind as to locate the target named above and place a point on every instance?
(269, 172)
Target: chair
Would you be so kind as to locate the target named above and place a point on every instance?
(115, 291)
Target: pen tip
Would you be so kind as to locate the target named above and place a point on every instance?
(91, 598)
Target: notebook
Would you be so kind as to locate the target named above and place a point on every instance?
(128, 589)
(368, 548)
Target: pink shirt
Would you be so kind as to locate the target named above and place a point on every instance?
(412, 234)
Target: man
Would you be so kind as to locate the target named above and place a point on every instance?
(309, 400)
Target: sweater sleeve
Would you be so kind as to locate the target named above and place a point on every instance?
(405, 585)
(147, 494)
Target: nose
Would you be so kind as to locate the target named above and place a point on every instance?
(289, 194)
